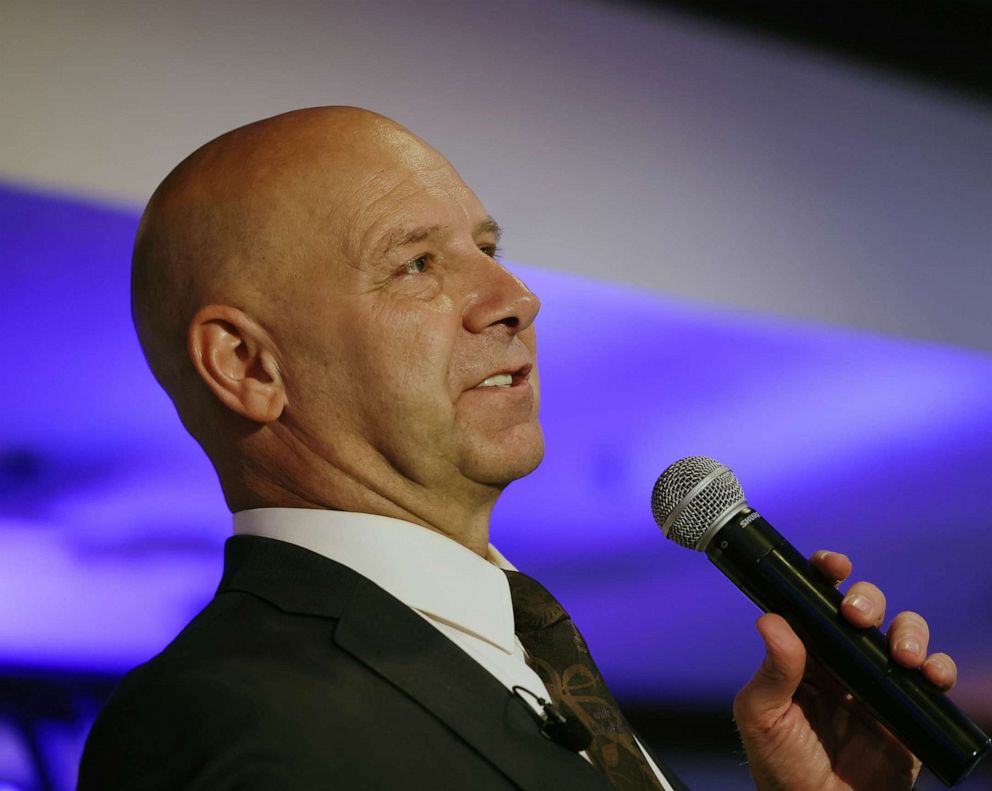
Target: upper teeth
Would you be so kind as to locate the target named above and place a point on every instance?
(499, 380)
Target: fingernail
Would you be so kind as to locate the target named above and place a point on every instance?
(909, 645)
(860, 603)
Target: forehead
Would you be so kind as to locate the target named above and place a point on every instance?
(390, 196)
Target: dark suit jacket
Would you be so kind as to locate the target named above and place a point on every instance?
(301, 674)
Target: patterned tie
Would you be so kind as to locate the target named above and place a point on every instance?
(560, 656)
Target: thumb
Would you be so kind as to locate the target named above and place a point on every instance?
(769, 693)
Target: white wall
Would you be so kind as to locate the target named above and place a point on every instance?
(610, 141)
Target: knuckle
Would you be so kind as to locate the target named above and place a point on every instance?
(941, 670)
(943, 661)
(911, 620)
(872, 600)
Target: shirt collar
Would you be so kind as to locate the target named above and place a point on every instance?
(424, 569)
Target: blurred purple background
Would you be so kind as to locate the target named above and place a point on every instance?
(745, 249)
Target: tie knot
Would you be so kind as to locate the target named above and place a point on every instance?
(533, 606)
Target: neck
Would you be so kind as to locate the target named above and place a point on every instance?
(363, 485)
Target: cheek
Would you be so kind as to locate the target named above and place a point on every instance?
(405, 353)
(375, 366)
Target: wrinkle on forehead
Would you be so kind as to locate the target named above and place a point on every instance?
(402, 200)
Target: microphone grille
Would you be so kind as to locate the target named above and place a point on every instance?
(692, 496)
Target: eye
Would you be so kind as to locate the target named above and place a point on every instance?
(417, 265)
(491, 250)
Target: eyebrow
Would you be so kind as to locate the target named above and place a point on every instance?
(489, 225)
(405, 237)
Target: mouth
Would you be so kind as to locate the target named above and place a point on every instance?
(507, 378)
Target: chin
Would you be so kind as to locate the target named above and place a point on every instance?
(499, 464)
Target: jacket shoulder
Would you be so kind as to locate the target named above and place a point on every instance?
(174, 721)
(250, 697)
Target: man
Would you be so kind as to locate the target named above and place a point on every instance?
(319, 295)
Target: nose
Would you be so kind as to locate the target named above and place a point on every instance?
(500, 299)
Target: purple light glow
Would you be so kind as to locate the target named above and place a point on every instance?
(111, 521)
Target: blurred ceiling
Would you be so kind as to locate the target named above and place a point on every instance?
(636, 144)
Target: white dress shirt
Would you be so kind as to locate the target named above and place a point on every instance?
(464, 596)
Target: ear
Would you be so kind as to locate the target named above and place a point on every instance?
(233, 356)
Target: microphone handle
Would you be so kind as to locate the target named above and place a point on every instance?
(749, 551)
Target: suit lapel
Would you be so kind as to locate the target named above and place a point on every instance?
(405, 650)
(416, 658)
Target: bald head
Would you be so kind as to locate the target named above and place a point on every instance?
(230, 223)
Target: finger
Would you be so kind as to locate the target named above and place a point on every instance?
(864, 605)
(769, 692)
(909, 636)
(941, 670)
(832, 565)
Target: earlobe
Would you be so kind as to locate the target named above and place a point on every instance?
(233, 356)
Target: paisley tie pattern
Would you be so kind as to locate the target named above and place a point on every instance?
(560, 656)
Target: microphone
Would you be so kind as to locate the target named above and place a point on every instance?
(561, 727)
(700, 504)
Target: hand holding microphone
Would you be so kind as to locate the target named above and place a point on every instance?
(803, 731)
